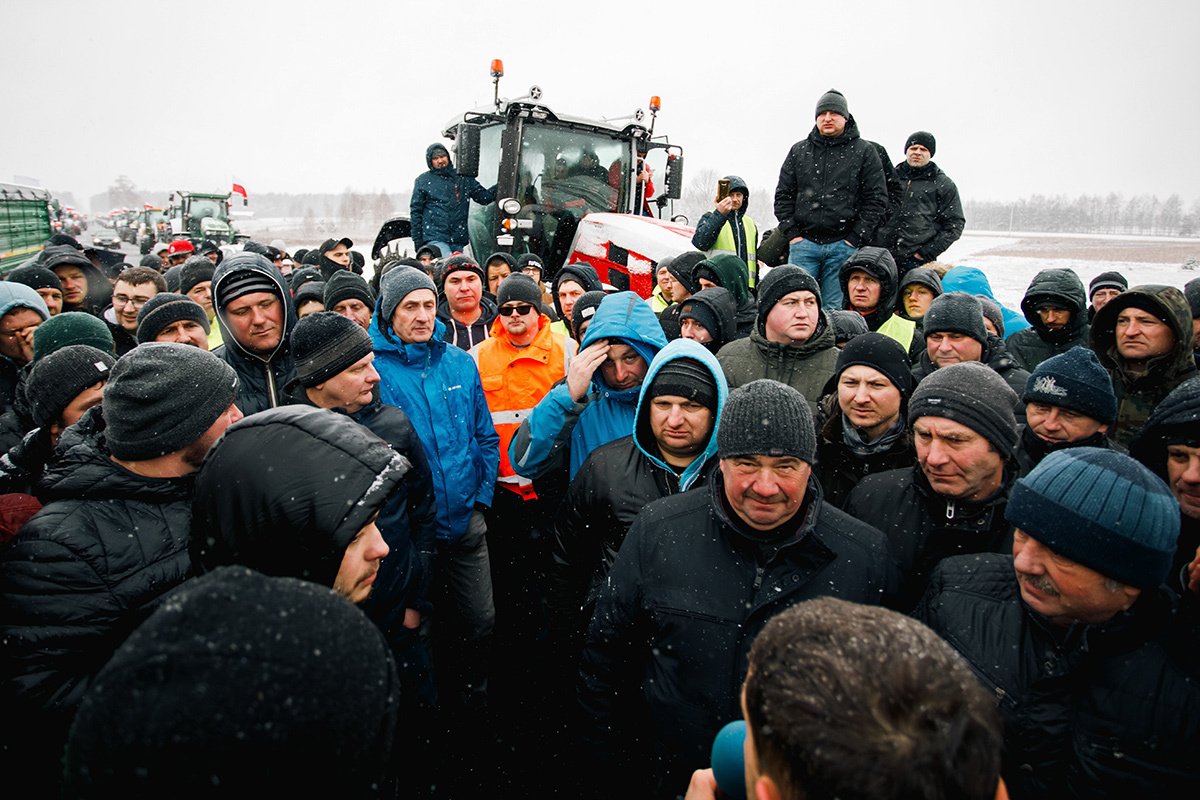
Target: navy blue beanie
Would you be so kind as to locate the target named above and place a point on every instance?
(1101, 509)
(1074, 380)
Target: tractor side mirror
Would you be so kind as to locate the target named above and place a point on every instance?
(675, 177)
(467, 147)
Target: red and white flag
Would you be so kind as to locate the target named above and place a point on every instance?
(239, 189)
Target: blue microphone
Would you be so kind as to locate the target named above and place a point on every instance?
(729, 759)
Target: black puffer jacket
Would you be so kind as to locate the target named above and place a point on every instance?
(690, 588)
(82, 574)
(831, 189)
(923, 527)
(1032, 346)
(838, 468)
(261, 380)
(1138, 394)
(929, 218)
(1096, 711)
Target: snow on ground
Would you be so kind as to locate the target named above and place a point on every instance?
(1010, 275)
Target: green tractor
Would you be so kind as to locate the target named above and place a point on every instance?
(24, 223)
(200, 217)
(152, 227)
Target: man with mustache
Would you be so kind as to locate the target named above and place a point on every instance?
(1091, 659)
(952, 501)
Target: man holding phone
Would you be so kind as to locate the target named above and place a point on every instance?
(728, 228)
(831, 195)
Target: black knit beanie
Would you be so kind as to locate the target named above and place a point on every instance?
(682, 268)
(162, 397)
(240, 685)
(766, 418)
(685, 377)
(782, 281)
(309, 290)
(923, 138)
(1074, 380)
(1101, 509)
(519, 288)
(993, 313)
(345, 285)
(585, 309)
(195, 270)
(59, 378)
(704, 315)
(881, 353)
(834, 101)
(302, 276)
(972, 394)
(956, 312)
(35, 277)
(326, 344)
(247, 281)
(165, 308)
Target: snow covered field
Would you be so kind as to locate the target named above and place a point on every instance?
(1010, 260)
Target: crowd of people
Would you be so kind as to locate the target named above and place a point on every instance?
(476, 525)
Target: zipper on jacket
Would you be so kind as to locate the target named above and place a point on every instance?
(949, 509)
(271, 385)
(758, 578)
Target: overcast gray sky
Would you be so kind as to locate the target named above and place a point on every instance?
(1024, 97)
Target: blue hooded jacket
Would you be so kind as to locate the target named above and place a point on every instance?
(972, 281)
(682, 348)
(558, 422)
(439, 206)
(438, 387)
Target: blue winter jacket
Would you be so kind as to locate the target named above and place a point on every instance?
(437, 386)
(972, 281)
(440, 201)
(559, 429)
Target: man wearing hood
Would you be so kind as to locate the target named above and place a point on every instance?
(1056, 308)
(437, 385)
(84, 286)
(254, 310)
(597, 403)
(831, 195)
(868, 283)
(729, 229)
(698, 576)
(793, 342)
(672, 449)
(22, 310)
(730, 272)
(1144, 338)
(930, 217)
(464, 309)
(440, 202)
(707, 317)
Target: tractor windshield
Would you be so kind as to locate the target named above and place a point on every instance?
(202, 207)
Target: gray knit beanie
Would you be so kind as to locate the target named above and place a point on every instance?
(162, 396)
(325, 344)
(767, 418)
(519, 288)
(956, 312)
(992, 311)
(972, 394)
(59, 378)
(834, 101)
(398, 284)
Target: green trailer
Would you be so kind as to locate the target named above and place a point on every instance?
(24, 223)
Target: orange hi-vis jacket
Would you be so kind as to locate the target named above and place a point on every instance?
(514, 380)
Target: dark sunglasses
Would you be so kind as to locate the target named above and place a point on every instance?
(522, 309)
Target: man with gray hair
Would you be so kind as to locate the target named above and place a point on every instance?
(699, 574)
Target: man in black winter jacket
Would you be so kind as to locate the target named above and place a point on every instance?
(1091, 660)
(831, 195)
(1056, 308)
(254, 310)
(953, 500)
(930, 217)
(111, 539)
(697, 577)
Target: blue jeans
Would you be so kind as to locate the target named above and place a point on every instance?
(823, 262)
(447, 249)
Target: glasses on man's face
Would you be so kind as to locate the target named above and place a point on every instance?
(522, 309)
(120, 300)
